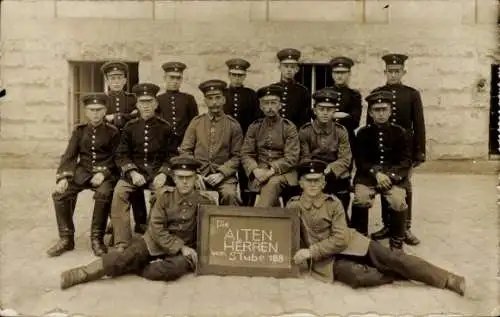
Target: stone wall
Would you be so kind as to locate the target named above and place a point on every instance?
(452, 44)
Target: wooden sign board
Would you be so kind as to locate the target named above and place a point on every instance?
(247, 241)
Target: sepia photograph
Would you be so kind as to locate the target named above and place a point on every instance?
(249, 158)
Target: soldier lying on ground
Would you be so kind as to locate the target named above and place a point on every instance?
(167, 249)
(335, 251)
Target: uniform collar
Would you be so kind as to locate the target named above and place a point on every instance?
(116, 93)
(317, 202)
(149, 120)
(328, 128)
(236, 87)
(394, 85)
(287, 82)
(97, 126)
(186, 198)
(214, 118)
(273, 120)
(172, 91)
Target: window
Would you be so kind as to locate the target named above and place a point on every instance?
(314, 76)
(495, 111)
(87, 78)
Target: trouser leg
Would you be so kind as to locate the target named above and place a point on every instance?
(167, 269)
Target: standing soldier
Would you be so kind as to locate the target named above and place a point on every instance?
(242, 104)
(328, 141)
(177, 108)
(215, 139)
(121, 109)
(142, 156)
(87, 163)
(407, 111)
(348, 100)
(270, 149)
(296, 98)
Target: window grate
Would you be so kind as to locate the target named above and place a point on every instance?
(314, 76)
(495, 111)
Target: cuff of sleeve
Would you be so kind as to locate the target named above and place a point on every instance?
(314, 251)
(165, 169)
(128, 167)
(250, 169)
(277, 170)
(101, 169)
(63, 175)
(375, 169)
(175, 247)
(225, 170)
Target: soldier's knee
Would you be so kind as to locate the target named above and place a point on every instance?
(104, 193)
(397, 199)
(163, 270)
(362, 200)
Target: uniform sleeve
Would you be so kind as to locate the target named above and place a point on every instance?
(169, 243)
(344, 157)
(69, 158)
(230, 167)
(418, 128)
(249, 149)
(306, 113)
(131, 101)
(352, 122)
(291, 151)
(123, 152)
(339, 237)
(189, 141)
(170, 149)
(106, 166)
(400, 170)
(305, 147)
(362, 154)
(192, 108)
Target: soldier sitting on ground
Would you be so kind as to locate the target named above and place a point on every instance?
(271, 147)
(87, 163)
(167, 249)
(334, 251)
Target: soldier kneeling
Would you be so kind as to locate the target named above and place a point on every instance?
(334, 250)
(167, 249)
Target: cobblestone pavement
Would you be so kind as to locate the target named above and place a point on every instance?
(456, 218)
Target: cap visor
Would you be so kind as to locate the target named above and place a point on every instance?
(115, 72)
(311, 176)
(214, 92)
(237, 71)
(289, 61)
(270, 97)
(326, 104)
(96, 106)
(173, 73)
(340, 69)
(145, 97)
(184, 172)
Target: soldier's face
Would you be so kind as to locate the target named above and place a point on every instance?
(146, 106)
(341, 77)
(380, 112)
(173, 80)
(184, 181)
(270, 105)
(324, 113)
(95, 113)
(312, 184)
(394, 73)
(288, 70)
(236, 80)
(215, 102)
(116, 81)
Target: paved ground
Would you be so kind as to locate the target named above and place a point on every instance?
(456, 217)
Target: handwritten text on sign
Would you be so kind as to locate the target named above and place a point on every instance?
(250, 241)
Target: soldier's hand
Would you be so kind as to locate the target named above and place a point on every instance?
(110, 117)
(159, 181)
(261, 174)
(61, 186)
(214, 179)
(328, 169)
(190, 254)
(97, 179)
(137, 179)
(301, 256)
(133, 113)
(200, 182)
(383, 181)
(341, 115)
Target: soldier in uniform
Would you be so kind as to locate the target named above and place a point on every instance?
(142, 156)
(87, 163)
(334, 251)
(215, 139)
(407, 111)
(121, 109)
(296, 98)
(328, 141)
(271, 147)
(243, 105)
(167, 250)
(176, 107)
(348, 100)
(382, 162)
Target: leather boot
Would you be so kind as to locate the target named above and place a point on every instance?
(64, 217)
(345, 199)
(359, 219)
(397, 229)
(410, 238)
(98, 227)
(456, 283)
(385, 232)
(139, 210)
(82, 274)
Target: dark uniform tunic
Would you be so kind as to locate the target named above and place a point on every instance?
(242, 104)
(296, 101)
(121, 104)
(178, 109)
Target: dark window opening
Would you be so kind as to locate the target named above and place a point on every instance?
(494, 142)
(314, 76)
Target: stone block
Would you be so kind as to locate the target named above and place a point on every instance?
(11, 59)
(440, 151)
(375, 11)
(105, 9)
(487, 12)
(12, 131)
(453, 100)
(209, 11)
(33, 9)
(425, 11)
(316, 11)
(46, 131)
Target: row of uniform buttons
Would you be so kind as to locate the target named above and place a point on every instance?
(236, 105)
(117, 103)
(283, 99)
(381, 146)
(146, 145)
(174, 122)
(94, 155)
(393, 113)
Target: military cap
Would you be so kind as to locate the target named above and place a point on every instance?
(212, 86)
(271, 90)
(95, 99)
(341, 63)
(177, 67)
(185, 163)
(310, 167)
(380, 96)
(237, 65)
(145, 89)
(114, 67)
(327, 96)
(289, 55)
(394, 59)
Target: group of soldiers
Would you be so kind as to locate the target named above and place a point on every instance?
(268, 143)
